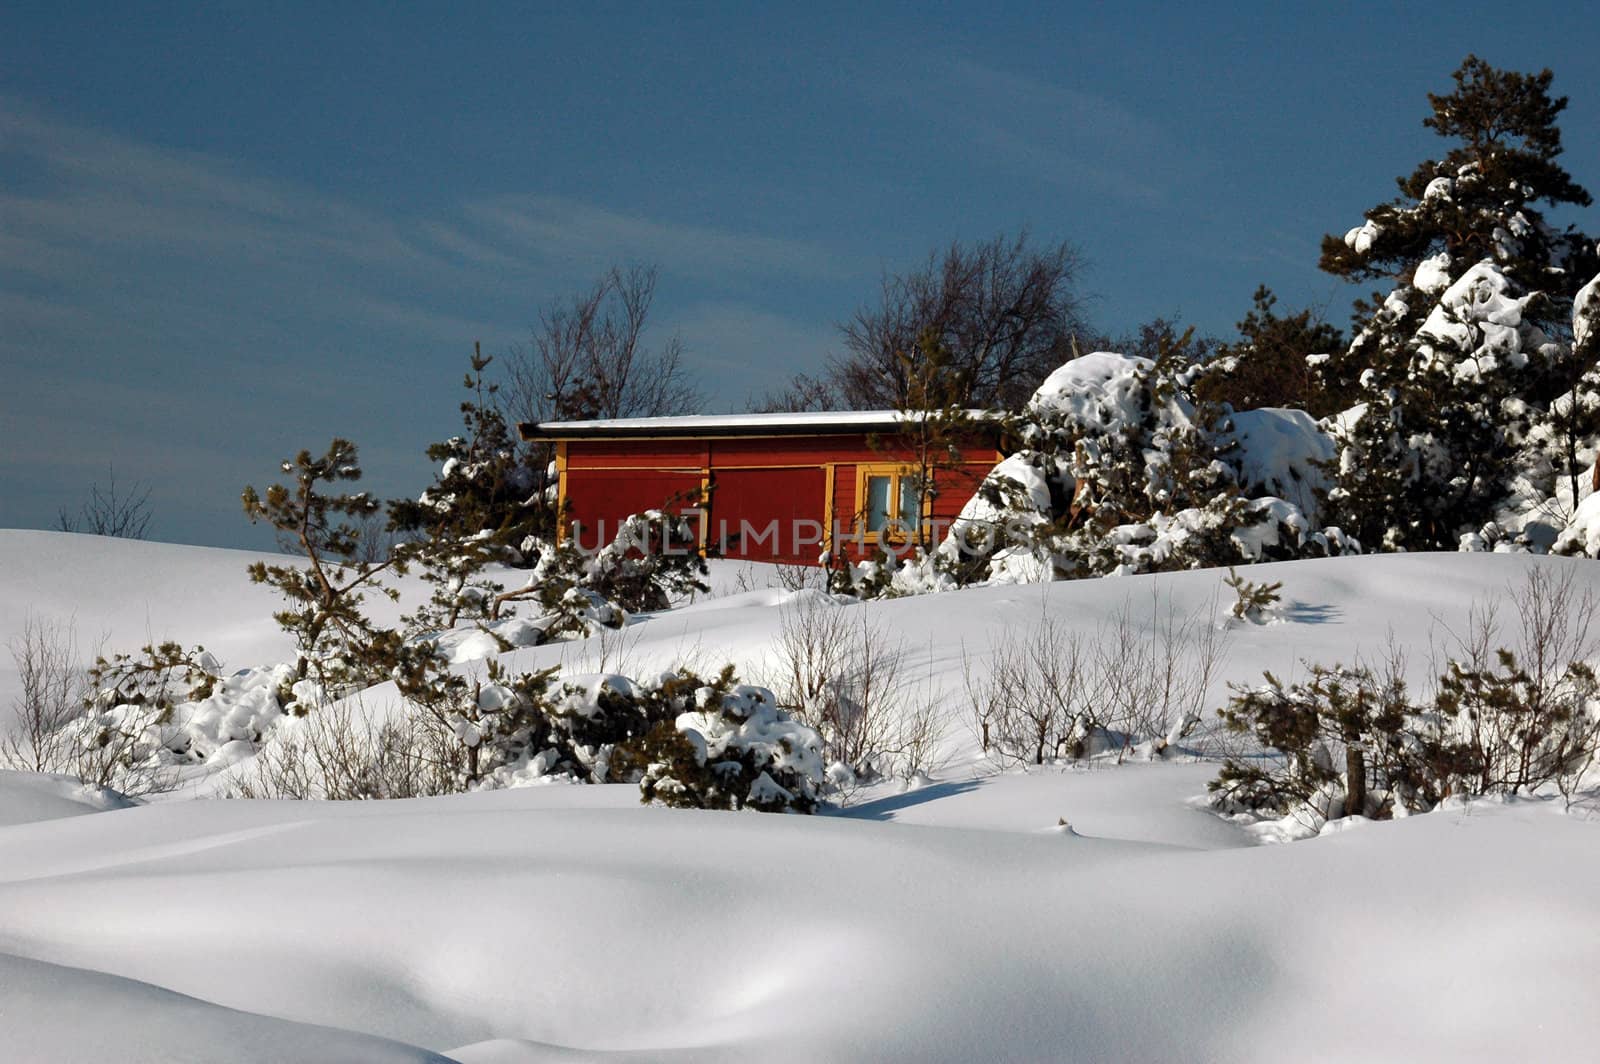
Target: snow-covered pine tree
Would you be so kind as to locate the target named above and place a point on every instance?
(1454, 364)
(1122, 438)
(478, 511)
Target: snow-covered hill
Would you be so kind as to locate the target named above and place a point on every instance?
(959, 921)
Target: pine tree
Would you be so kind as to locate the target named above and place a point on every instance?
(333, 637)
(479, 510)
(1455, 362)
(934, 423)
(1270, 365)
(1478, 202)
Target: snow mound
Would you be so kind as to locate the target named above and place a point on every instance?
(28, 797)
(1278, 454)
(60, 1013)
(1100, 392)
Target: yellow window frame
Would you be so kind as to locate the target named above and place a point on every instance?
(896, 472)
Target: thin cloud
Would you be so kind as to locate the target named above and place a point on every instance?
(107, 193)
(182, 313)
(1035, 128)
(748, 344)
(573, 231)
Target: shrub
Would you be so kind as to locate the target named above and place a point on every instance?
(838, 672)
(652, 561)
(1058, 693)
(1351, 741)
(111, 725)
(1035, 702)
(52, 690)
(1526, 715)
(345, 752)
(728, 747)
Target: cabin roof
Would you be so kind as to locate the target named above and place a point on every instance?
(824, 423)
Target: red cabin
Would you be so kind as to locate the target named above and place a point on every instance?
(766, 487)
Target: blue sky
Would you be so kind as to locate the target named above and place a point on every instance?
(230, 232)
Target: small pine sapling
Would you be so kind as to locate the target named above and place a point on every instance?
(159, 677)
(1255, 600)
(495, 718)
(1348, 715)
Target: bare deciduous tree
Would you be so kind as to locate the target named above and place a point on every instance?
(111, 512)
(588, 358)
(1004, 310)
(804, 394)
(840, 672)
(63, 728)
(53, 690)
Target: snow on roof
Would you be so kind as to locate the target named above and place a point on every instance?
(828, 422)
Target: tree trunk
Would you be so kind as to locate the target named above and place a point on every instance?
(1355, 788)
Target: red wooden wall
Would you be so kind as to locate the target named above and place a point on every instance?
(753, 484)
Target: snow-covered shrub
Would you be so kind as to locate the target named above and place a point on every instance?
(142, 720)
(652, 561)
(1120, 471)
(1280, 453)
(137, 721)
(159, 676)
(1352, 741)
(494, 717)
(66, 722)
(727, 747)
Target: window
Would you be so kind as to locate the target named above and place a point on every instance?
(888, 499)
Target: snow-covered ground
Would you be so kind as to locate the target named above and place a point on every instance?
(958, 921)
